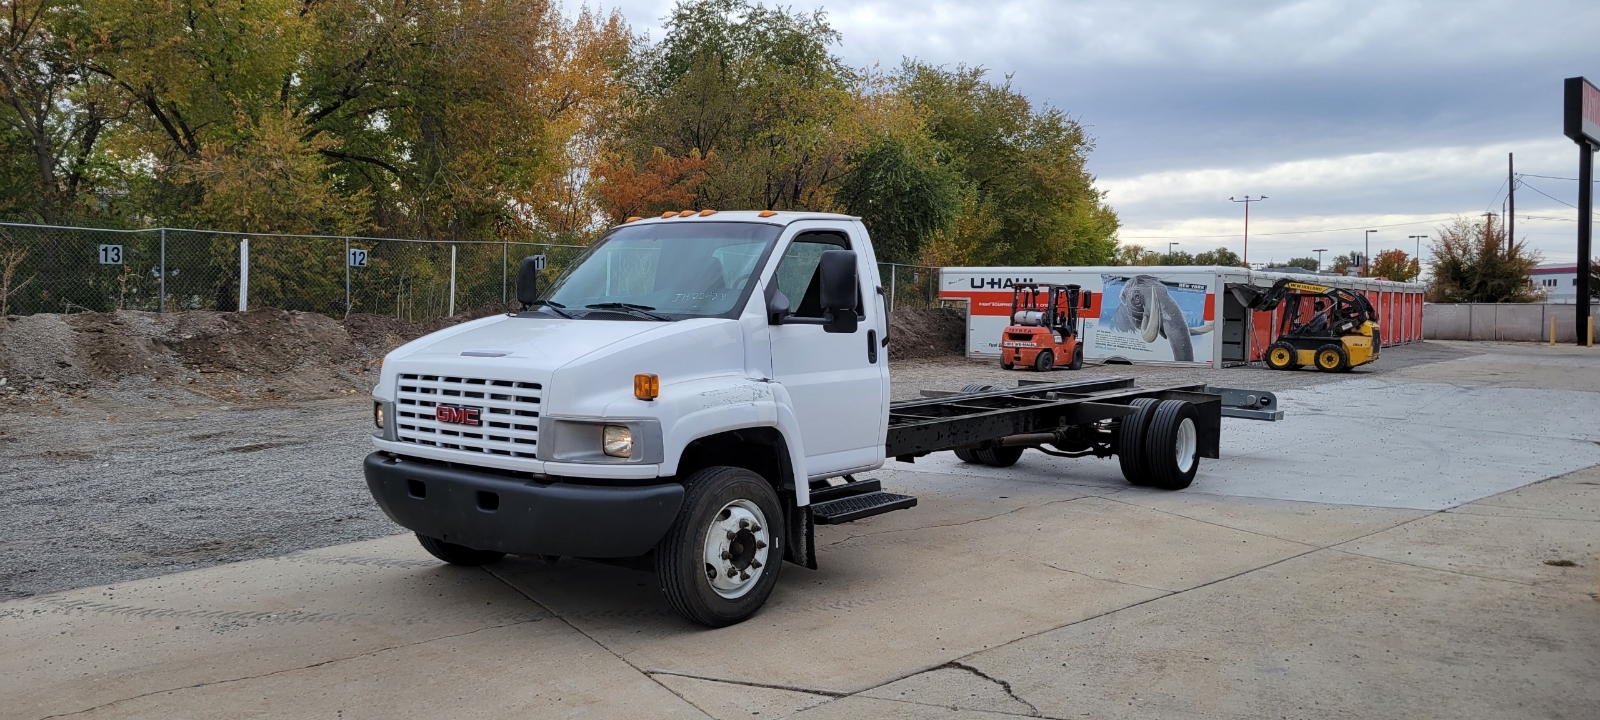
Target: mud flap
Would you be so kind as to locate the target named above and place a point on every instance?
(801, 527)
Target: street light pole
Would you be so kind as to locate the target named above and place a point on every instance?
(1247, 200)
(1419, 239)
(1319, 252)
(1169, 250)
(1366, 259)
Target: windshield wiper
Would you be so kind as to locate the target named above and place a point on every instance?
(630, 307)
(557, 308)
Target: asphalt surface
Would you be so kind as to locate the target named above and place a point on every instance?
(104, 490)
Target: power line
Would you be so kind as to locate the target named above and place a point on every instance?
(1541, 192)
(1288, 232)
(1549, 177)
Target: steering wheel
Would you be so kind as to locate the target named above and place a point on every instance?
(738, 283)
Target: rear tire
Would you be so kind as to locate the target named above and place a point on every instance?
(1282, 356)
(457, 554)
(730, 522)
(1045, 362)
(1005, 365)
(1172, 445)
(1077, 358)
(999, 457)
(966, 456)
(1130, 441)
(1332, 358)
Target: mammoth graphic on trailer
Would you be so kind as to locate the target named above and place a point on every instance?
(1149, 308)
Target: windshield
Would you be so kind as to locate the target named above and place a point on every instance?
(696, 269)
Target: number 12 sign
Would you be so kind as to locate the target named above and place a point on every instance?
(358, 257)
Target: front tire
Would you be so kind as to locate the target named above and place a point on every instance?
(719, 561)
(457, 554)
(999, 457)
(1077, 358)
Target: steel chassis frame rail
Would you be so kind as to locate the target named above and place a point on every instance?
(958, 420)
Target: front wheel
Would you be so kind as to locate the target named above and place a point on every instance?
(999, 457)
(1332, 358)
(720, 559)
(457, 554)
(1077, 358)
(1282, 356)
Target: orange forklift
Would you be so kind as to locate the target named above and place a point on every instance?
(1043, 329)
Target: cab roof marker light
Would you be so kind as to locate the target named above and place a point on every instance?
(706, 213)
(668, 214)
(629, 220)
(686, 213)
(766, 213)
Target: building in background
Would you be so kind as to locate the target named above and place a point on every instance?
(1559, 282)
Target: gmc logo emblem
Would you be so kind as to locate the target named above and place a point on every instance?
(457, 415)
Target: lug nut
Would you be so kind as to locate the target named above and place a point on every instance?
(755, 563)
(760, 545)
(744, 524)
(732, 534)
(755, 528)
(744, 576)
(726, 555)
(733, 571)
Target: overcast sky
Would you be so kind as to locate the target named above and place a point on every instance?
(1386, 115)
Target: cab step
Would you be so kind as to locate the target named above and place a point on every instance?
(855, 500)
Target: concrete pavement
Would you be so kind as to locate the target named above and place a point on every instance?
(1050, 592)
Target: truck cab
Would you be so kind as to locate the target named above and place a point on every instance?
(672, 396)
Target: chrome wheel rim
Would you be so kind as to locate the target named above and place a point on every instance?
(736, 546)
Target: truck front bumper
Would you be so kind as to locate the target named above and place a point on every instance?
(493, 512)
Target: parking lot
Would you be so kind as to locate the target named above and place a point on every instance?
(1418, 540)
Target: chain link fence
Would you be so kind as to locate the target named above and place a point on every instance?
(53, 269)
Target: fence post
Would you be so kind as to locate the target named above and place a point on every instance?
(452, 281)
(347, 278)
(162, 306)
(892, 268)
(505, 256)
(244, 275)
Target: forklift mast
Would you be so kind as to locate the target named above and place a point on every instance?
(1059, 311)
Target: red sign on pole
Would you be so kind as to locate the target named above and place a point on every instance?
(1582, 111)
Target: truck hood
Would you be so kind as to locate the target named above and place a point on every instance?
(546, 343)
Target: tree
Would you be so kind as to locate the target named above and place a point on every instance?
(1343, 263)
(903, 193)
(1397, 265)
(1220, 256)
(1032, 202)
(1472, 264)
(1136, 255)
(1304, 264)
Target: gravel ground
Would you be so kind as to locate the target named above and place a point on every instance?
(134, 483)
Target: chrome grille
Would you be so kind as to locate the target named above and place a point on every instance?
(509, 420)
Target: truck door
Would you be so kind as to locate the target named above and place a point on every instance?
(837, 383)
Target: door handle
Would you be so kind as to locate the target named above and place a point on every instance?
(872, 347)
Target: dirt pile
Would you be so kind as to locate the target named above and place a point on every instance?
(265, 355)
(258, 355)
(922, 333)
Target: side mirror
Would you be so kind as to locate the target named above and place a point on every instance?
(839, 291)
(777, 306)
(528, 282)
(1086, 299)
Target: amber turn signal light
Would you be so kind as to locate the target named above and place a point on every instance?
(646, 386)
(668, 214)
(629, 220)
(766, 213)
(704, 213)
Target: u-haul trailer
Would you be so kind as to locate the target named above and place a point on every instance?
(1178, 315)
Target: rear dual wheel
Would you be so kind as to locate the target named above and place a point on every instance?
(1159, 444)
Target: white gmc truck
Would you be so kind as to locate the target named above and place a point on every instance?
(698, 391)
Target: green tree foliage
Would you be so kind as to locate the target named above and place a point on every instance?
(1472, 264)
(1136, 255)
(1220, 256)
(904, 194)
(1032, 202)
(1305, 263)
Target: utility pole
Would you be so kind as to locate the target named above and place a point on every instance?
(1488, 226)
(1511, 202)
(1366, 258)
(1247, 200)
(1319, 252)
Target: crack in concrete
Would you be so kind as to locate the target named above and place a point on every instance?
(1402, 563)
(597, 643)
(747, 683)
(330, 661)
(1109, 580)
(1213, 524)
(1006, 686)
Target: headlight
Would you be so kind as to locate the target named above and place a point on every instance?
(618, 441)
(377, 414)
